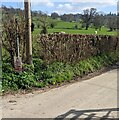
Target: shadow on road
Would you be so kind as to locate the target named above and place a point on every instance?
(89, 114)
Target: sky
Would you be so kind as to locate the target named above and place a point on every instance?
(65, 6)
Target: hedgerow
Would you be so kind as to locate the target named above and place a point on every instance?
(41, 75)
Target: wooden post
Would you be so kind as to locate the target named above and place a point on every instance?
(118, 18)
(28, 32)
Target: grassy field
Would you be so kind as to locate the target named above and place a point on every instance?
(66, 25)
(104, 31)
(69, 27)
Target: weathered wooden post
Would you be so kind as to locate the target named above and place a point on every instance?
(28, 32)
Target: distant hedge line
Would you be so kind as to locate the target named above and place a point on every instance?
(73, 48)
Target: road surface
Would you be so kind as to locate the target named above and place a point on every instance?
(93, 98)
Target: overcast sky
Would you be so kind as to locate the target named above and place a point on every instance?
(65, 6)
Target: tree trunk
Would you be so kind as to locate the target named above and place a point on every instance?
(87, 27)
(12, 57)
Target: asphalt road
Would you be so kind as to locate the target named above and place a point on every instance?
(93, 98)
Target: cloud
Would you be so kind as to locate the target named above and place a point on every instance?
(108, 2)
(65, 6)
(60, 6)
(45, 3)
(50, 4)
(71, 6)
(68, 6)
(40, 1)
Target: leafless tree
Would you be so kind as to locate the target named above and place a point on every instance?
(88, 16)
(11, 31)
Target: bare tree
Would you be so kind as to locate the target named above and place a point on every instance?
(88, 16)
(11, 31)
(44, 24)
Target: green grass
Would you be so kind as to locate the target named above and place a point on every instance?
(59, 23)
(104, 31)
(68, 27)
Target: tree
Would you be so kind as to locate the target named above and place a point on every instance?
(12, 31)
(54, 15)
(98, 21)
(32, 27)
(44, 24)
(75, 26)
(112, 22)
(53, 24)
(88, 16)
(67, 17)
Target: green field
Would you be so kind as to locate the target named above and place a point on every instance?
(68, 27)
(104, 31)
